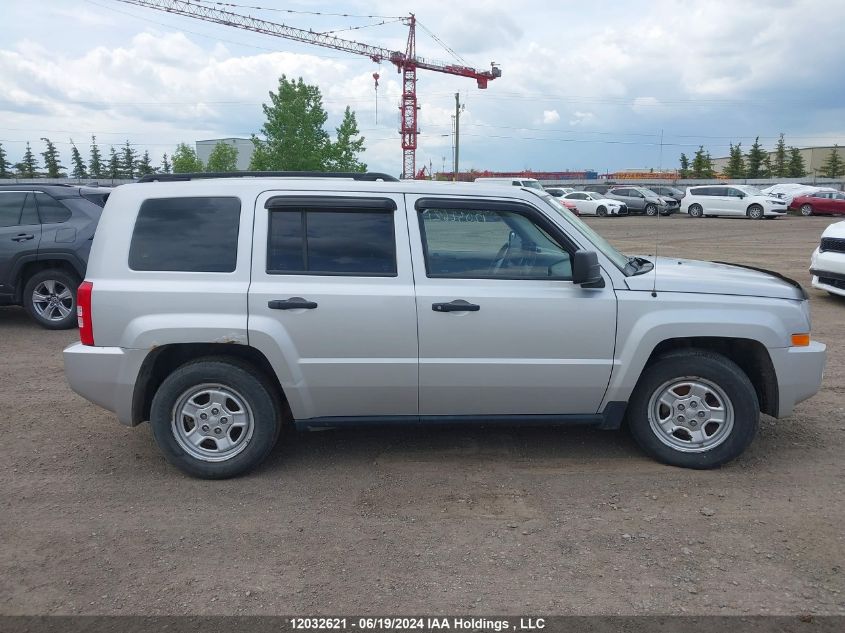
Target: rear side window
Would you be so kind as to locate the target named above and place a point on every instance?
(198, 235)
(700, 191)
(331, 241)
(51, 210)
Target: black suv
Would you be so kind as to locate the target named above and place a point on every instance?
(45, 237)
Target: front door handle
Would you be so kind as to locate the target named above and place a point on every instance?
(23, 237)
(458, 305)
(294, 303)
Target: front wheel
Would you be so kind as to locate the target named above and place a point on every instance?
(696, 211)
(806, 210)
(694, 409)
(50, 299)
(651, 209)
(755, 212)
(215, 418)
(601, 212)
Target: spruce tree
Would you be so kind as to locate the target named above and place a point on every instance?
(345, 150)
(128, 158)
(95, 163)
(52, 160)
(833, 167)
(114, 168)
(79, 170)
(683, 172)
(754, 160)
(699, 163)
(779, 164)
(28, 166)
(144, 166)
(5, 165)
(165, 164)
(736, 163)
(796, 167)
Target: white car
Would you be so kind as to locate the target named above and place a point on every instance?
(827, 264)
(559, 192)
(731, 200)
(788, 191)
(589, 203)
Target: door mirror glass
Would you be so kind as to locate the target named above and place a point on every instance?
(586, 269)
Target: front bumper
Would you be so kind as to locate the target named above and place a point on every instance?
(799, 372)
(828, 270)
(774, 211)
(105, 375)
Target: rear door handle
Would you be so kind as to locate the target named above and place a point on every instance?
(458, 305)
(23, 237)
(294, 303)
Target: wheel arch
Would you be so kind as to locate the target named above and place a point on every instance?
(162, 361)
(26, 269)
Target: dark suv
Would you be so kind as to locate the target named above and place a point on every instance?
(45, 237)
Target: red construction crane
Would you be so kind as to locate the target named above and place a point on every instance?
(406, 62)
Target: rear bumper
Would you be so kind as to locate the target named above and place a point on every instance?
(105, 375)
(799, 372)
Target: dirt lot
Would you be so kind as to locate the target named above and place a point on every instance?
(483, 520)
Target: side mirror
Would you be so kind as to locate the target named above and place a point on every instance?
(586, 270)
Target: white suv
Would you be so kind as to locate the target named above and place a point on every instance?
(220, 309)
(731, 200)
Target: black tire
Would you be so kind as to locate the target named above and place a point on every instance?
(696, 211)
(806, 210)
(601, 212)
(650, 209)
(714, 368)
(44, 312)
(755, 212)
(258, 394)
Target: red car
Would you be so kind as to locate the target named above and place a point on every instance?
(820, 203)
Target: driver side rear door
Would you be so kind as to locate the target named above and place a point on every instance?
(502, 329)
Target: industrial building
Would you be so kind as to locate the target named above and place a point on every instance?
(814, 158)
(243, 145)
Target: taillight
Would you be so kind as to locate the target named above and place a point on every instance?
(83, 313)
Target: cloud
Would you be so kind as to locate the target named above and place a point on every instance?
(550, 116)
(581, 118)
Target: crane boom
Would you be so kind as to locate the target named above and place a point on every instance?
(406, 62)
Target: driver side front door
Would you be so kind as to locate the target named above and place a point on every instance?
(502, 329)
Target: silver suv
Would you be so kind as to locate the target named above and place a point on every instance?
(221, 309)
(642, 200)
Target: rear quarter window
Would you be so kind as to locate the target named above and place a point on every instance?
(197, 234)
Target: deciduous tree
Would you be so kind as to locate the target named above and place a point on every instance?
(223, 157)
(348, 146)
(185, 160)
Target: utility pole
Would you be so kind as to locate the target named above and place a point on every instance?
(458, 108)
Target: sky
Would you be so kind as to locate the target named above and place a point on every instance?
(585, 85)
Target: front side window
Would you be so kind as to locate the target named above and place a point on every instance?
(187, 235)
(490, 244)
(317, 241)
(11, 206)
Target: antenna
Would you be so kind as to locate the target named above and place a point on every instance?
(656, 230)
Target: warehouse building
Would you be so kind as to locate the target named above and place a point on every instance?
(814, 158)
(243, 145)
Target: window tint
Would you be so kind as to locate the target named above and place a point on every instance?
(475, 244)
(11, 205)
(702, 191)
(186, 234)
(51, 210)
(29, 213)
(344, 242)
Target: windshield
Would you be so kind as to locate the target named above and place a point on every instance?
(620, 260)
(534, 184)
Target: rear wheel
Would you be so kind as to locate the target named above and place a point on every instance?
(215, 418)
(696, 211)
(651, 209)
(755, 212)
(694, 409)
(806, 210)
(50, 298)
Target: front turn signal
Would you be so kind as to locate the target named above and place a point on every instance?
(800, 340)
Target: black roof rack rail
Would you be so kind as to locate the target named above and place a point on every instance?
(368, 176)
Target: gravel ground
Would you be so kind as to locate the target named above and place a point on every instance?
(482, 520)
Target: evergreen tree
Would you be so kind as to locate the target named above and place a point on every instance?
(767, 169)
(128, 158)
(349, 144)
(28, 166)
(144, 166)
(165, 164)
(833, 167)
(79, 170)
(754, 160)
(95, 163)
(736, 163)
(294, 138)
(5, 165)
(683, 172)
(779, 165)
(709, 167)
(114, 168)
(52, 160)
(796, 167)
(185, 160)
(702, 164)
(223, 157)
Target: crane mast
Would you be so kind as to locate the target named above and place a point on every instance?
(406, 61)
